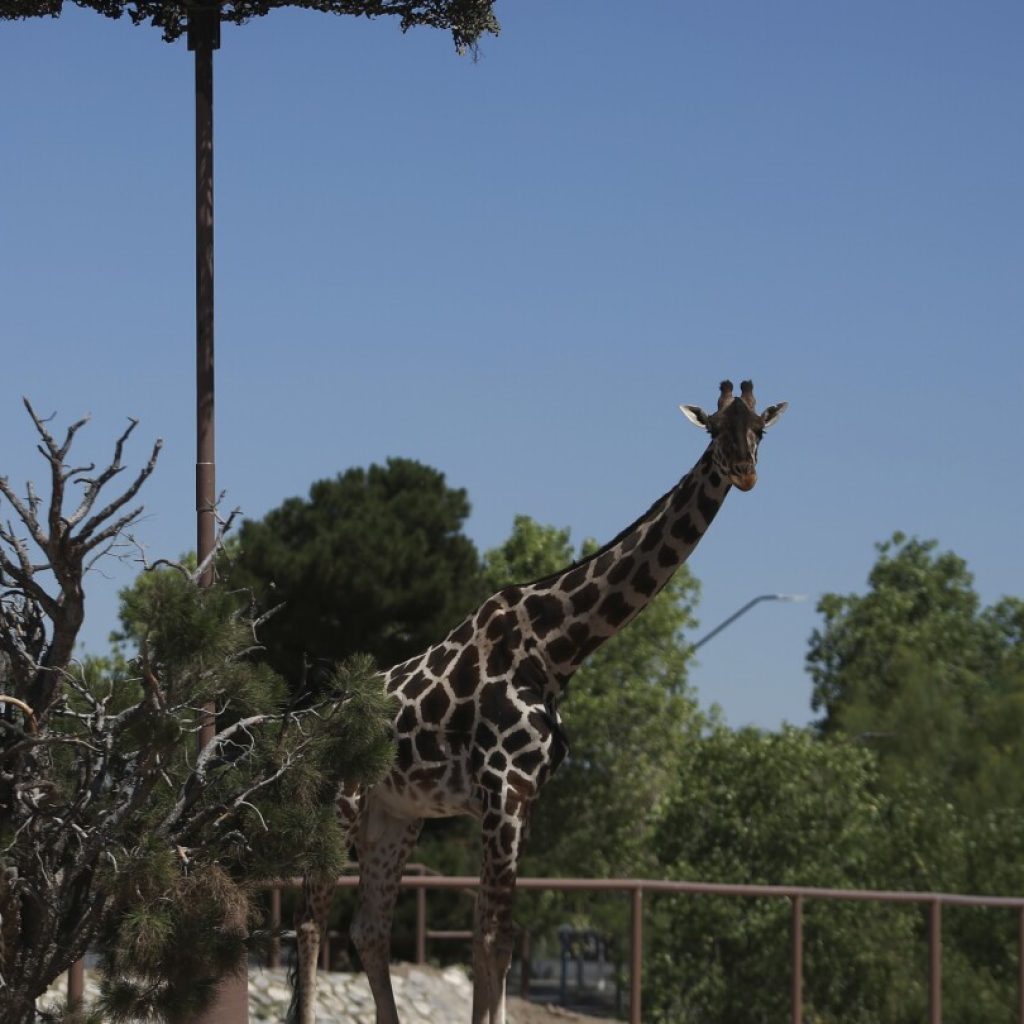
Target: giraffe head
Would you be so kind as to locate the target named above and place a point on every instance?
(736, 429)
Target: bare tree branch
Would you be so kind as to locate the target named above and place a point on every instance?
(53, 450)
(7, 699)
(125, 497)
(223, 526)
(24, 581)
(26, 513)
(54, 454)
(95, 484)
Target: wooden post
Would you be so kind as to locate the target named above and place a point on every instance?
(524, 966)
(421, 925)
(76, 985)
(275, 927)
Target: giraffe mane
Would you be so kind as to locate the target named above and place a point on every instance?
(551, 576)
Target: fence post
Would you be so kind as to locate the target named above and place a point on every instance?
(1020, 964)
(524, 965)
(935, 962)
(275, 927)
(797, 965)
(421, 925)
(76, 984)
(636, 967)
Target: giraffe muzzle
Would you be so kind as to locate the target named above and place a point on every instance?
(744, 481)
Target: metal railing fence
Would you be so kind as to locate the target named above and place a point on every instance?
(636, 888)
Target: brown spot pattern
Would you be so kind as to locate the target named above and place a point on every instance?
(435, 704)
(585, 599)
(574, 578)
(615, 608)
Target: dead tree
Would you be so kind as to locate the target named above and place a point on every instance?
(114, 832)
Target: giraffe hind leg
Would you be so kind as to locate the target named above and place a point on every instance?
(310, 924)
(383, 842)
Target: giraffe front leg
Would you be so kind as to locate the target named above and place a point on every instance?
(494, 933)
(383, 843)
(493, 942)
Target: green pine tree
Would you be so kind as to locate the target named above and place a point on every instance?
(116, 833)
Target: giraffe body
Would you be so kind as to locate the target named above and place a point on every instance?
(477, 727)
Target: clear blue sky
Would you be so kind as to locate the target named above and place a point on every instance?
(516, 269)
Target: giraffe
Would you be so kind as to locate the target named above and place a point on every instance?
(477, 726)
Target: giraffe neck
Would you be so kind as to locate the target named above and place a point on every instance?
(569, 615)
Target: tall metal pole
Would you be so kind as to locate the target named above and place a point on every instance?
(231, 1002)
(203, 39)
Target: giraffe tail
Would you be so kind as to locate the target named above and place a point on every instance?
(293, 1016)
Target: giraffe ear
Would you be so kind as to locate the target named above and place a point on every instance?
(695, 414)
(772, 414)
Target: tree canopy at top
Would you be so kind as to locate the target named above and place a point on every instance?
(467, 20)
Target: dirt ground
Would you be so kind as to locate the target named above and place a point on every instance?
(522, 1012)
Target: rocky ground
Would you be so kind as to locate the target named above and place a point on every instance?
(425, 995)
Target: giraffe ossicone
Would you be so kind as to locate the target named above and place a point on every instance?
(478, 731)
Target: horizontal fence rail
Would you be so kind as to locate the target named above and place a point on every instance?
(637, 887)
(796, 894)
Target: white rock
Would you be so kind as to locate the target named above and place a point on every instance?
(456, 976)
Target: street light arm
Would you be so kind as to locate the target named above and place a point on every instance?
(742, 611)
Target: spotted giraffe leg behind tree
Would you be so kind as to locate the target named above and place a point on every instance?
(505, 825)
(383, 843)
(310, 926)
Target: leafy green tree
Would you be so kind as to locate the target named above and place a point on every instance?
(919, 602)
(374, 560)
(933, 682)
(466, 19)
(917, 669)
(776, 809)
(260, 804)
(115, 833)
